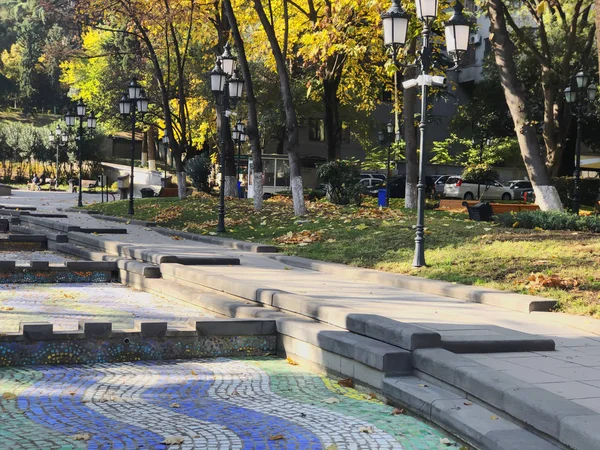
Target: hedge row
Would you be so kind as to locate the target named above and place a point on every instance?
(550, 220)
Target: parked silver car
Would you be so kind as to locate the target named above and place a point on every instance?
(519, 187)
(455, 187)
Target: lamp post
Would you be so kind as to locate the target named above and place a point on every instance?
(395, 24)
(165, 141)
(386, 138)
(227, 86)
(58, 137)
(70, 117)
(580, 94)
(395, 27)
(134, 100)
(239, 137)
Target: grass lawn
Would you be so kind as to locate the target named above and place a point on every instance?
(566, 264)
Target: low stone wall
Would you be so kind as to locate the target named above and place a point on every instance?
(96, 342)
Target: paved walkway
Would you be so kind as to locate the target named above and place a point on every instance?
(205, 404)
(64, 305)
(573, 371)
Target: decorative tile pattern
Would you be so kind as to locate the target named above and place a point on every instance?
(207, 404)
(94, 351)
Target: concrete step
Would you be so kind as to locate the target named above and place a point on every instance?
(563, 420)
(476, 423)
(394, 332)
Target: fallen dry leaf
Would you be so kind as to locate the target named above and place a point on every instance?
(276, 437)
(331, 400)
(396, 412)
(6, 308)
(82, 436)
(176, 238)
(332, 447)
(175, 405)
(445, 441)
(467, 403)
(493, 417)
(9, 396)
(422, 385)
(346, 382)
(173, 440)
(291, 362)
(194, 373)
(368, 429)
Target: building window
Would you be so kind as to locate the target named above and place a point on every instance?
(316, 130)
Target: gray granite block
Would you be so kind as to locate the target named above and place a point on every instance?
(406, 336)
(581, 432)
(235, 327)
(37, 331)
(151, 328)
(96, 329)
(91, 266)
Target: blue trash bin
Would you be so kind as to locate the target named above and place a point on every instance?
(381, 198)
(239, 189)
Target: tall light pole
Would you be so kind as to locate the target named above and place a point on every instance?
(580, 94)
(395, 27)
(387, 138)
(58, 137)
(395, 24)
(227, 86)
(165, 142)
(134, 100)
(239, 137)
(70, 118)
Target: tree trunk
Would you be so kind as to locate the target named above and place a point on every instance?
(181, 187)
(252, 126)
(546, 194)
(152, 147)
(410, 137)
(291, 121)
(144, 149)
(333, 123)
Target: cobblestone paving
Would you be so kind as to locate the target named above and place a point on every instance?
(65, 305)
(204, 404)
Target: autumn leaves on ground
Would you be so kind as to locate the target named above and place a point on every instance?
(558, 264)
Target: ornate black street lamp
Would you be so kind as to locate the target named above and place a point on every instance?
(239, 136)
(457, 43)
(134, 100)
(395, 27)
(580, 94)
(227, 86)
(70, 118)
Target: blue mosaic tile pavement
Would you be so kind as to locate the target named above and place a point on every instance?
(257, 403)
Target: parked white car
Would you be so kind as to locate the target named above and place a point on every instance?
(455, 187)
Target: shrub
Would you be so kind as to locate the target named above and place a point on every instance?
(550, 220)
(198, 169)
(589, 188)
(342, 178)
